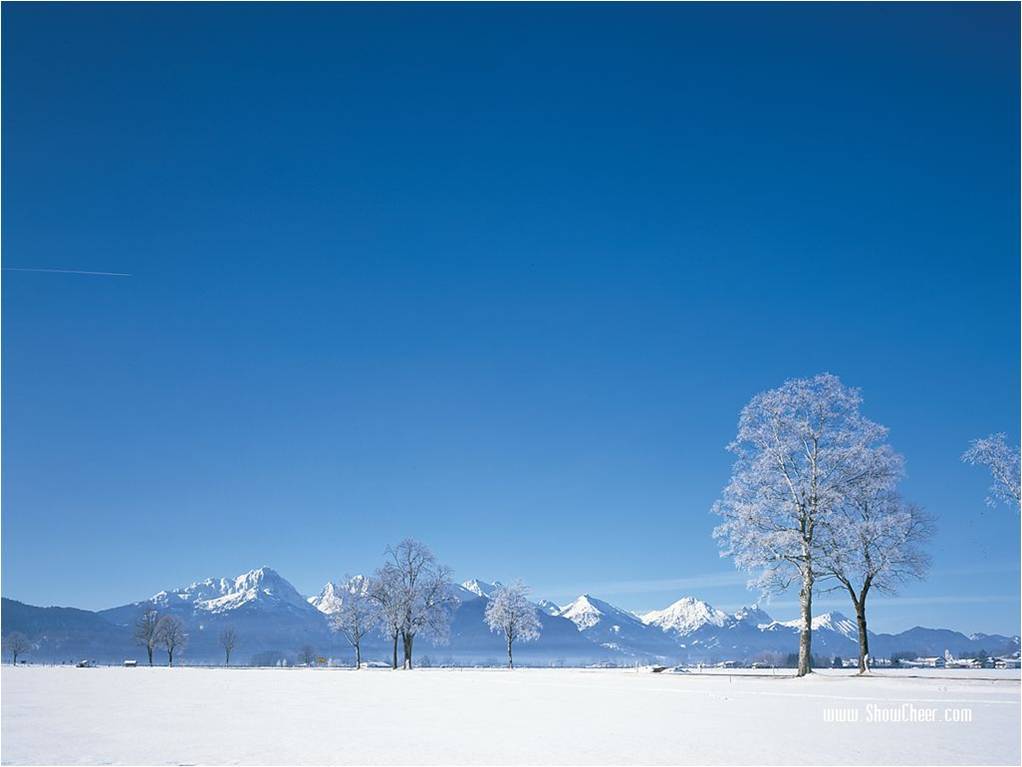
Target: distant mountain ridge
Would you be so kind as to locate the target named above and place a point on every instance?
(273, 620)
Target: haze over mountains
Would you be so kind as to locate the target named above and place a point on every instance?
(273, 620)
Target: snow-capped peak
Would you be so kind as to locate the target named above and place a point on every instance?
(330, 599)
(264, 585)
(833, 621)
(327, 601)
(685, 616)
(753, 615)
(583, 612)
(548, 607)
(586, 611)
(481, 588)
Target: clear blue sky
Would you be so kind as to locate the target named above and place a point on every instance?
(499, 278)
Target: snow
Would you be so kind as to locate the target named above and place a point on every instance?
(481, 588)
(834, 621)
(447, 716)
(329, 600)
(585, 612)
(219, 595)
(685, 616)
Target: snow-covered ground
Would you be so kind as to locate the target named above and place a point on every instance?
(447, 716)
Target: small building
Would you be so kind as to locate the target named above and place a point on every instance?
(130, 663)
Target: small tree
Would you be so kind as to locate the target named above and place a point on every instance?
(16, 644)
(145, 630)
(171, 636)
(874, 541)
(307, 655)
(510, 613)
(388, 596)
(357, 615)
(228, 638)
(1002, 459)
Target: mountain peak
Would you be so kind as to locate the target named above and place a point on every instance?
(481, 588)
(586, 611)
(753, 615)
(685, 616)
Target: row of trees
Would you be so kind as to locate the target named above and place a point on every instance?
(153, 631)
(410, 596)
(407, 597)
(813, 500)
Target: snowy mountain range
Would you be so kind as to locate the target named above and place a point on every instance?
(273, 620)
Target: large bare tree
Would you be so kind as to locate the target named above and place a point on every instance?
(1002, 459)
(800, 448)
(874, 541)
(425, 589)
(228, 639)
(145, 630)
(510, 613)
(171, 636)
(16, 644)
(357, 615)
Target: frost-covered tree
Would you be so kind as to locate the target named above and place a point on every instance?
(228, 639)
(800, 448)
(307, 655)
(387, 594)
(16, 644)
(509, 612)
(171, 636)
(874, 541)
(1002, 459)
(425, 594)
(145, 630)
(358, 614)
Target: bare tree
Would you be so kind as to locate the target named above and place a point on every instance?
(171, 636)
(307, 655)
(1002, 459)
(228, 638)
(425, 589)
(511, 613)
(16, 644)
(145, 630)
(358, 613)
(874, 541)
(799, 450)
(386, 592)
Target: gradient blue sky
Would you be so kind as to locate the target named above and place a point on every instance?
(499, 278)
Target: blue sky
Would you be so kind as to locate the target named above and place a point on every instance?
(499, 278)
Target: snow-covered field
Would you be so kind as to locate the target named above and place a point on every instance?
(447, 716)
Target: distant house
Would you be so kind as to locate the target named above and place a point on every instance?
(1006, 663)
(130, 663)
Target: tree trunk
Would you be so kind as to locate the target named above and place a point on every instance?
(860, 619)
(150, 650)
(394, 664)
(409, 640)
(358, 657)
(170, 657)
(510, 660)
(227, 657)
(805, 639)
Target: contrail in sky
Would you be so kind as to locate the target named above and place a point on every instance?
(65, 271)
